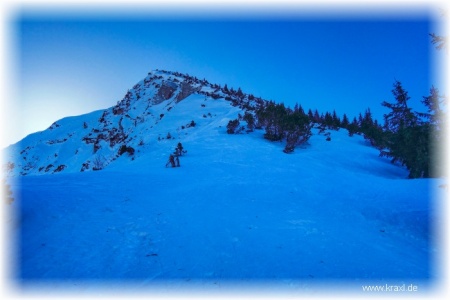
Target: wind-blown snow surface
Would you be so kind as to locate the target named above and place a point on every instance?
(238, 209)
(238, 213)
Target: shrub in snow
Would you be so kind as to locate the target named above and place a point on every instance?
(59, 168)
(250, 121)
(289, 148)
(85, 166)
(99, 163)
(192, 124)
(232, 126)
(126, 149)
(96, 146)
(281, 122)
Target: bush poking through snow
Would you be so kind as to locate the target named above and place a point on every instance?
(250, 121)
(192, 124)
(99, 163)
(232, 126)
(126, 149)
(59, 168)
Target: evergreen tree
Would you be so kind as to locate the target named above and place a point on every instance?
(316, 118)
(297, 128)
(440, 41)
(328, 120)
(225, 89)
(406, 140)
(434, 124)
(239, 93)
(310, 115)
(345, 122)
(322, 119)
(353, 127)
(435, 114)
(248, 117)
(281, 122)
(401, 116)
(336, 122)
(360, 120)
(232, 126)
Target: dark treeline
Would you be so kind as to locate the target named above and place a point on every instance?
(407, 137)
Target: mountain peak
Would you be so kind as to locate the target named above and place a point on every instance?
(148, 113)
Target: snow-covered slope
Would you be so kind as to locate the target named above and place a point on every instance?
(163, 103)
(237, 213)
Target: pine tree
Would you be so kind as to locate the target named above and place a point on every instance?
(232, 126)
(328, 120)
(336, 122)
(345, 122)
(225, 89)
(316, 118)
(440, 41)
(406, 139)
(281, 122)
(435, 114)
(310, 115)
(248, 117)
(401, 115)
(353, 127)
(239, 93)
(434, 125)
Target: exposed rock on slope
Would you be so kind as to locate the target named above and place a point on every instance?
(93, 141)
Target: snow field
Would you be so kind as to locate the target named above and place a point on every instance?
(238, 210)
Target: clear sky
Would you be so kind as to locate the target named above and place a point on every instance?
(68, 64)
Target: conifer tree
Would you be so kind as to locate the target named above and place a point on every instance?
(283, 123)
(232, 126)
(407, 141)
(345, 122)
(225, 89)
(248, 117)
(239, 93)
(316, 118)
(328, 120)
(435, 125)
(310, 115)
(336, 122)
(400, 116)
(353, 127)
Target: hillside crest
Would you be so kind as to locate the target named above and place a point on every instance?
(93, 141)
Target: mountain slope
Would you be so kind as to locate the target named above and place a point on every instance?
(237, 213)
(164, 102)
(238, 209)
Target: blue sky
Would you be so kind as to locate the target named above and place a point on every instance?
(70, 64)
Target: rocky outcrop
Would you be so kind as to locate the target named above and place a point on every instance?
(186, 90)
(165, 91)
